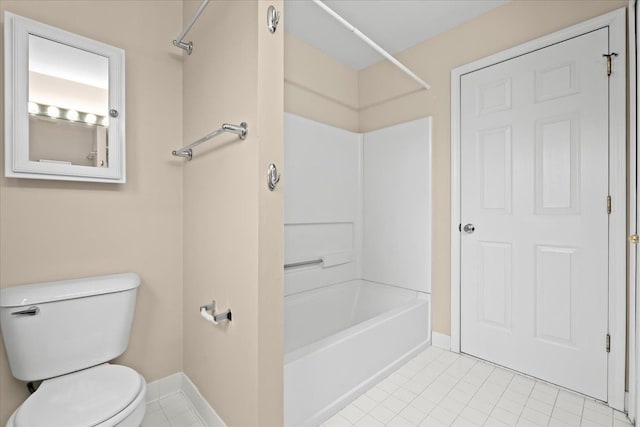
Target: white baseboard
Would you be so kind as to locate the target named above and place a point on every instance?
(164, 387)
(441, 340)
(179, 382)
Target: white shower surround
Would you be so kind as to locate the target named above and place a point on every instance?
(367, 198)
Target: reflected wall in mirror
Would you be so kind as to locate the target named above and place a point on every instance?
(65, 105)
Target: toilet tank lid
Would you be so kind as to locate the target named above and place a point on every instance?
(38, 293)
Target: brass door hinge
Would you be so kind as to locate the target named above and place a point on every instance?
(634, 239)
(608, 343)
(609, 57)
(608, 204)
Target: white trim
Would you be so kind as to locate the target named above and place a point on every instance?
(634, 305)
(631, 402)
(177, 383)
(441, 340)
(616, 21)
(164, 387)
(618, 218)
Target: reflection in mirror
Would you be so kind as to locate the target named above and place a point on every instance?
(68, 104)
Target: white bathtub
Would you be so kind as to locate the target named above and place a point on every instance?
(341, 339)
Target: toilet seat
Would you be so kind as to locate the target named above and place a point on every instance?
(103, 396)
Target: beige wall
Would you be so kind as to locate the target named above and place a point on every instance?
(397, 101)
(232, 223)
(318, 87)
(57, 230)
(63, 93)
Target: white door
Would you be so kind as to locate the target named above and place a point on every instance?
(534, 184)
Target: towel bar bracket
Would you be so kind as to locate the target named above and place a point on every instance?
(187, 154)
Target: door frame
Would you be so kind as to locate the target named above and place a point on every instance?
(616, 21)
(634, 255)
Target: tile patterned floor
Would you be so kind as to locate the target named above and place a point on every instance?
(440, 388)
(174, 410)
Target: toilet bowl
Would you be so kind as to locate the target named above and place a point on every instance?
(63, 333)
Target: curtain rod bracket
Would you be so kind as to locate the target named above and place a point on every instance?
(188, 47)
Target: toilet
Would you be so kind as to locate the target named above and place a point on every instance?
(64, 333)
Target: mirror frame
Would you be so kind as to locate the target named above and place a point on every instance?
(16, 85)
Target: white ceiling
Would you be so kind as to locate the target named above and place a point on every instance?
(393, 24)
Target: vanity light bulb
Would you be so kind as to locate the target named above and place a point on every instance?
(105, 122)
(72, 115)
(90, 118)
(53, 111)
(33, 108)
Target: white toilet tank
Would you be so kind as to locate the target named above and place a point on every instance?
(53, 328)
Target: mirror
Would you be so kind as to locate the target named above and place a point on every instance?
(65, 98)
(68, 104)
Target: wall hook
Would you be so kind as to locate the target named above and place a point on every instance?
(273, 17)
(273, 177)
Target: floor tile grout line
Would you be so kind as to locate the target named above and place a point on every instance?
(554, 407)
(452, 368)
(442, 373)
(505, 389)
(410, 379)
(478, 389)
(528, 397)
(413, 376)
(185, 399)
(538, 380)
(476, 362)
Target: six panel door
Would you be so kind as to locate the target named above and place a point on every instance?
(534, 186)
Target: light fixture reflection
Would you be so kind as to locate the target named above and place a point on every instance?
(53, 111)
(66, 114)
(72, 115)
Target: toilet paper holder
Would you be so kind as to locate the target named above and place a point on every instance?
(214, 317)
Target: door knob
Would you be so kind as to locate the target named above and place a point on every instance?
(469, 228)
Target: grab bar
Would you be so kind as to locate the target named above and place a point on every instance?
(240, 130)
(301, 263)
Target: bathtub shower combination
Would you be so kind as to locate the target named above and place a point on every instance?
(357, 260)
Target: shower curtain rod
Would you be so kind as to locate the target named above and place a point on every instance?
(371, 43)
(189, 46)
